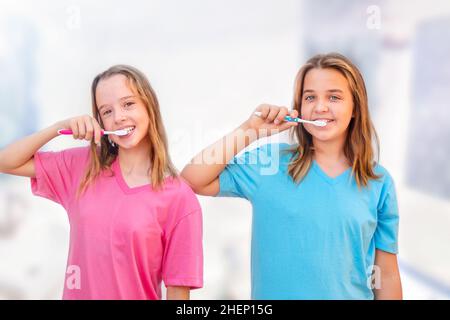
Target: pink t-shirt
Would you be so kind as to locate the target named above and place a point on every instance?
(123, 241)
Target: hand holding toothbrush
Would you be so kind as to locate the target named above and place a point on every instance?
(85, 128)
(270, 119)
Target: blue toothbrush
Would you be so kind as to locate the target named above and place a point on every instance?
(318, 123)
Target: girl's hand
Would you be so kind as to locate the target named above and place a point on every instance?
(83, 128)
(271, 120)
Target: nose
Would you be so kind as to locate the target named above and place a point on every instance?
(321, 107)
(119, 115)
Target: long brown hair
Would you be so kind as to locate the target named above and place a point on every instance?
(361, 133)
(102, 158)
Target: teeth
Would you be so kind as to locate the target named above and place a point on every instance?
(128, 130)
(326, 120)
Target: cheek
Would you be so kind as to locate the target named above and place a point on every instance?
(106, 123)
(305, 111)
(142, 118)
(345, 114)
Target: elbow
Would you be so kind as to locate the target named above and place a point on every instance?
(191, 182)
(3, 167)
(197, 189)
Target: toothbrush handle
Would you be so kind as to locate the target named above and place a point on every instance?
(287, 118)
(290, 119)
(70, 132)
(298, 120)
(65, 131)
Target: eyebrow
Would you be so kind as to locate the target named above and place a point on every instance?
(127, 97)
(121, 99)
(331, 90)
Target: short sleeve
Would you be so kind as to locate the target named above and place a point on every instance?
(57, 174)
(242, 175)
(386, 234)
(183, 254)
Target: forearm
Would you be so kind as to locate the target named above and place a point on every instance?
(210, 162)
(390, 288)
(388, 285)
(19, 152)
(178, 293)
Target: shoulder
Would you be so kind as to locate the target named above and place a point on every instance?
(76, 158)
(179, 193)
(78, 153)
(383, 173)
(266, 153)
(384, 186)
(68, 157)
(274, 148)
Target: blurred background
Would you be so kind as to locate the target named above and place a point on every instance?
(211, 63)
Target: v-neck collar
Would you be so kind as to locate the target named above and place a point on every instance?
(342, 177)
(123, 184)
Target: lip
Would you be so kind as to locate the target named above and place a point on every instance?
(125, 127)
(323, 119)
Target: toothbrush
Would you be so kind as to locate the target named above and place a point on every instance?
(122, 132)
(318, 123)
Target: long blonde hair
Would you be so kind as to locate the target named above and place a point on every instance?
(103, 157)
(361, 133)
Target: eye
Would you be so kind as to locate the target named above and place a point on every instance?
(128, 104)
(309, 98)
(334, 98)
(106, 112)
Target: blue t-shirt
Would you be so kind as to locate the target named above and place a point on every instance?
(316, 239)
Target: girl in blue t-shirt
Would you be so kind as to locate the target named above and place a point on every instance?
(325, 216)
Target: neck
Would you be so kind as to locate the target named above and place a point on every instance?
(330, 151)
(135, 161)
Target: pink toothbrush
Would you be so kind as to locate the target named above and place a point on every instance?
(122, 132)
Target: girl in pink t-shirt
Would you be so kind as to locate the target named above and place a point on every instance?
(133, 221)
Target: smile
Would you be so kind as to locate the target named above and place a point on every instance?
(130, 131)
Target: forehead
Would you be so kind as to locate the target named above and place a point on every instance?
(113, 88)
(324, 79)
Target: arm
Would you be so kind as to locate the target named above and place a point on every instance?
(178, 293)
(202, 173)
(17, 158)
(390, 285)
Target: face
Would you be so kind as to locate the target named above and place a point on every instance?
(120, 108)
(327, 96)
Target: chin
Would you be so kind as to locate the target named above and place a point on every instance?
(126, 146)
(324, 136)
(132, 143)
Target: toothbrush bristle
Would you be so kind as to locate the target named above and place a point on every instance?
(122, 132)
(320, 123)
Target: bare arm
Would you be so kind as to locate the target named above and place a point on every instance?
(390, 285)
(202, 173)
(178, 293)
(17, 158)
